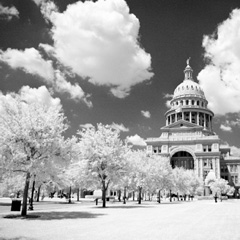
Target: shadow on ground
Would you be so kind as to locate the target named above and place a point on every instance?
(5, 204)
(17, 238)
(124, 206)
(54, 215)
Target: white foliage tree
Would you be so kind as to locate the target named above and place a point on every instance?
(104, 155)
(31, 137)
(161, 174)
(140, 165)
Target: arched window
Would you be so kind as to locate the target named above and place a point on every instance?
(187, 102)
(197, 103)
(192, 102)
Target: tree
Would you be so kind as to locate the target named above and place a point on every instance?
(181, 181)
(161, 174)
(140, 164)
(104, 155)
(31, 138)
(195, 183)
(220, 186)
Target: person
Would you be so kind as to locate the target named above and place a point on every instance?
(215, 197)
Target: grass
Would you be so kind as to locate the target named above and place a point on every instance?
(177, 220)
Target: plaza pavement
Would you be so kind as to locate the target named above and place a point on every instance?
(196, 220)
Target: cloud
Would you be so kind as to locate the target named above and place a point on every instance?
(8, 12)
(235, 151)
(167, 95)
(75, 90)
(30, 61)
(220, 79)
(86, 125)
(146, 114)
(40, 95)
(136, 140)
(99, 42)
(120, 127)
(225, 128)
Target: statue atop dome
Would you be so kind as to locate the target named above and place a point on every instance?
(188, 71)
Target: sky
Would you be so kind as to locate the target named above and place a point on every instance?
(118, 62)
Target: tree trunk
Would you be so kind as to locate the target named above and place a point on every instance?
(170, 194)
(124, 195)
(177, 197)
(119, 195)
(159, 196)
(133, 196)
(25, 195)
(31, 199)
(104, 193)
(78, 193)
(70, 193)
(139, 195)
(38, 194)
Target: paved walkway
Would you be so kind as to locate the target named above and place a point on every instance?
(195, 220)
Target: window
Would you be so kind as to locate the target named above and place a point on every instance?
(205, 163)
(192, 102)
(236, 179)
(197, 103)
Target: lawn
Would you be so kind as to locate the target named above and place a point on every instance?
(177, 220)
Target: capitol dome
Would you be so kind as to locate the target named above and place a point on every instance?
(188, 87)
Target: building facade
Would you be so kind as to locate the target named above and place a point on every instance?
(188, 139)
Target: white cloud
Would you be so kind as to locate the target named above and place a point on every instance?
(47, 8)
(120, 127)
(40, 95)
(220, 79)
(225, 128)
(136, 140)
(99, 41)
(39, 2)
(146, 114)
(30, 61)
(235, 151)
(8, 12)
(167, 95)
(75, 90)
(86, 125)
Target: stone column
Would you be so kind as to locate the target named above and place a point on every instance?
(190, 116)
(204, 123)
(175, 117)
(170, 116)
(201, 168)
(217, 168)
(214, 166)
(197, 118)
(196, 167)
(166, 121)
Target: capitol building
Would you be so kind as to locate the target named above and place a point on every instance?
(188, 139)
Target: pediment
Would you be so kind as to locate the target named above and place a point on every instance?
(182, 124)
